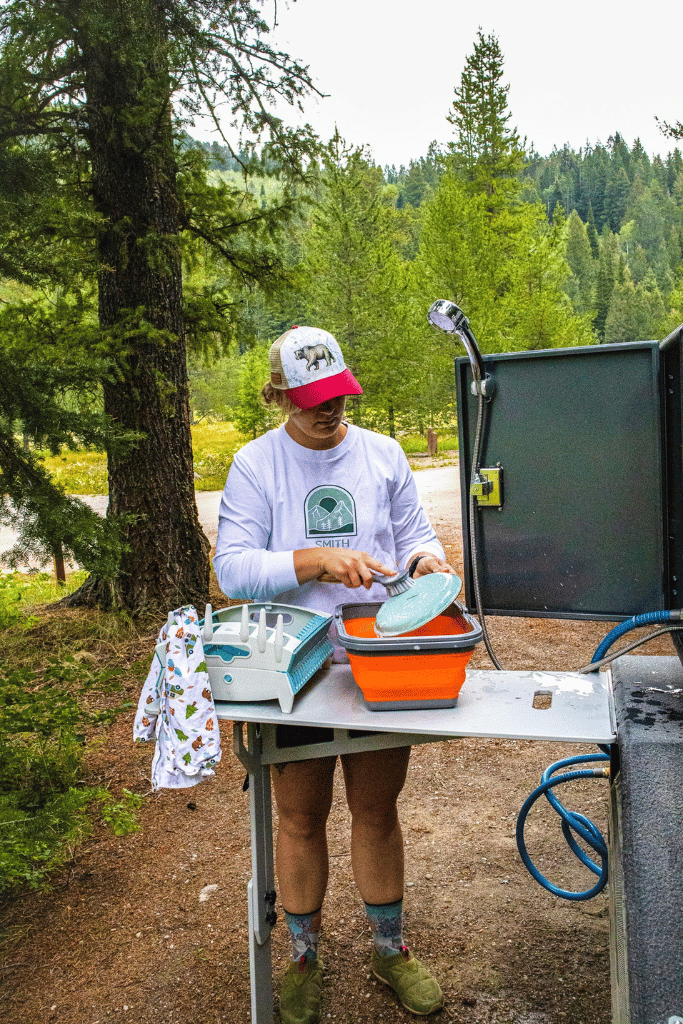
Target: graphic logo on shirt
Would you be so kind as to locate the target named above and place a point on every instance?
(330, 511)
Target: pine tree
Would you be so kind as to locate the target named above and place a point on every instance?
(93, 85)
(674, 166)
(414, 187)
(672, 131)
(351, 261)
(252, 417)
(621, 155)
(605, 280)
(616, 196)
(648, 214)
(46, 392)
(486, 152)
(594, 183)
(555, 201)
(636, 312)
(494, 255)
(507, 272)
(580, 260)
(592, 233)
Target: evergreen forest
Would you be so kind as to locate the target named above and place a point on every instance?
(144, 274)
(576, 247)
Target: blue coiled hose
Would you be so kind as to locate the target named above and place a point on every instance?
(646, 619)
(571, 822)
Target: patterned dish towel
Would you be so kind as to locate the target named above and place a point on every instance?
(176, 706)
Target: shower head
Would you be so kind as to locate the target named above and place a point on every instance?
(449, 318)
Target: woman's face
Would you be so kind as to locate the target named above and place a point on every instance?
(320, 427)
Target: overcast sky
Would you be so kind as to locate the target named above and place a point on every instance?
(577, 72)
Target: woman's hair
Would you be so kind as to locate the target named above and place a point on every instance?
(273, 396)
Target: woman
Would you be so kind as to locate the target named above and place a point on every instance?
(308, 513)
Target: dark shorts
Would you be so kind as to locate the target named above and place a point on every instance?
(301, 735)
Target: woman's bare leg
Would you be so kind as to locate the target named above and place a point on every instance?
(374, 780)
(303, 796)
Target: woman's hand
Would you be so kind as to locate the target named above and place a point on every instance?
(430, 563)
(338, 565)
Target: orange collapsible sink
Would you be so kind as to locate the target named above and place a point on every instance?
(424, 668)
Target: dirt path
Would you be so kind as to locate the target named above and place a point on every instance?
(125, 936)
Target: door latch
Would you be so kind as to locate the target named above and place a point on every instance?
(487, 488)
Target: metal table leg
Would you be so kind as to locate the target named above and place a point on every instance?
(261, 888)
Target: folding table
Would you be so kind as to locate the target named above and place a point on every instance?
(564, 706)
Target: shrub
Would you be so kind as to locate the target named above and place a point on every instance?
(44, 808)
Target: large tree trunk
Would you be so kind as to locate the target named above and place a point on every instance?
(140, 291)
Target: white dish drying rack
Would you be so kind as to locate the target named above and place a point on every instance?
(262, 651)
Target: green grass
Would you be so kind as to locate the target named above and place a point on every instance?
(13, 291)
(214, 445)
(80, 472)
(415, 444)
(21, 592)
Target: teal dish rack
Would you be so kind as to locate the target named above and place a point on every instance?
(263, 651)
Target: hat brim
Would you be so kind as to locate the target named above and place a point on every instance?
(309, 395)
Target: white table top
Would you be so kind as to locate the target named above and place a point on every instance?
(491, 704)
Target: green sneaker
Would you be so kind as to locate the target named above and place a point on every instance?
(412, 983)
(301, 992)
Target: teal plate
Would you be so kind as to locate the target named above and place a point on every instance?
(427, 597)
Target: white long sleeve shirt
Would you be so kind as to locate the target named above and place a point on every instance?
(280, 497)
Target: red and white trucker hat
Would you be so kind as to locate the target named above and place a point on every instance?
(307, 363)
